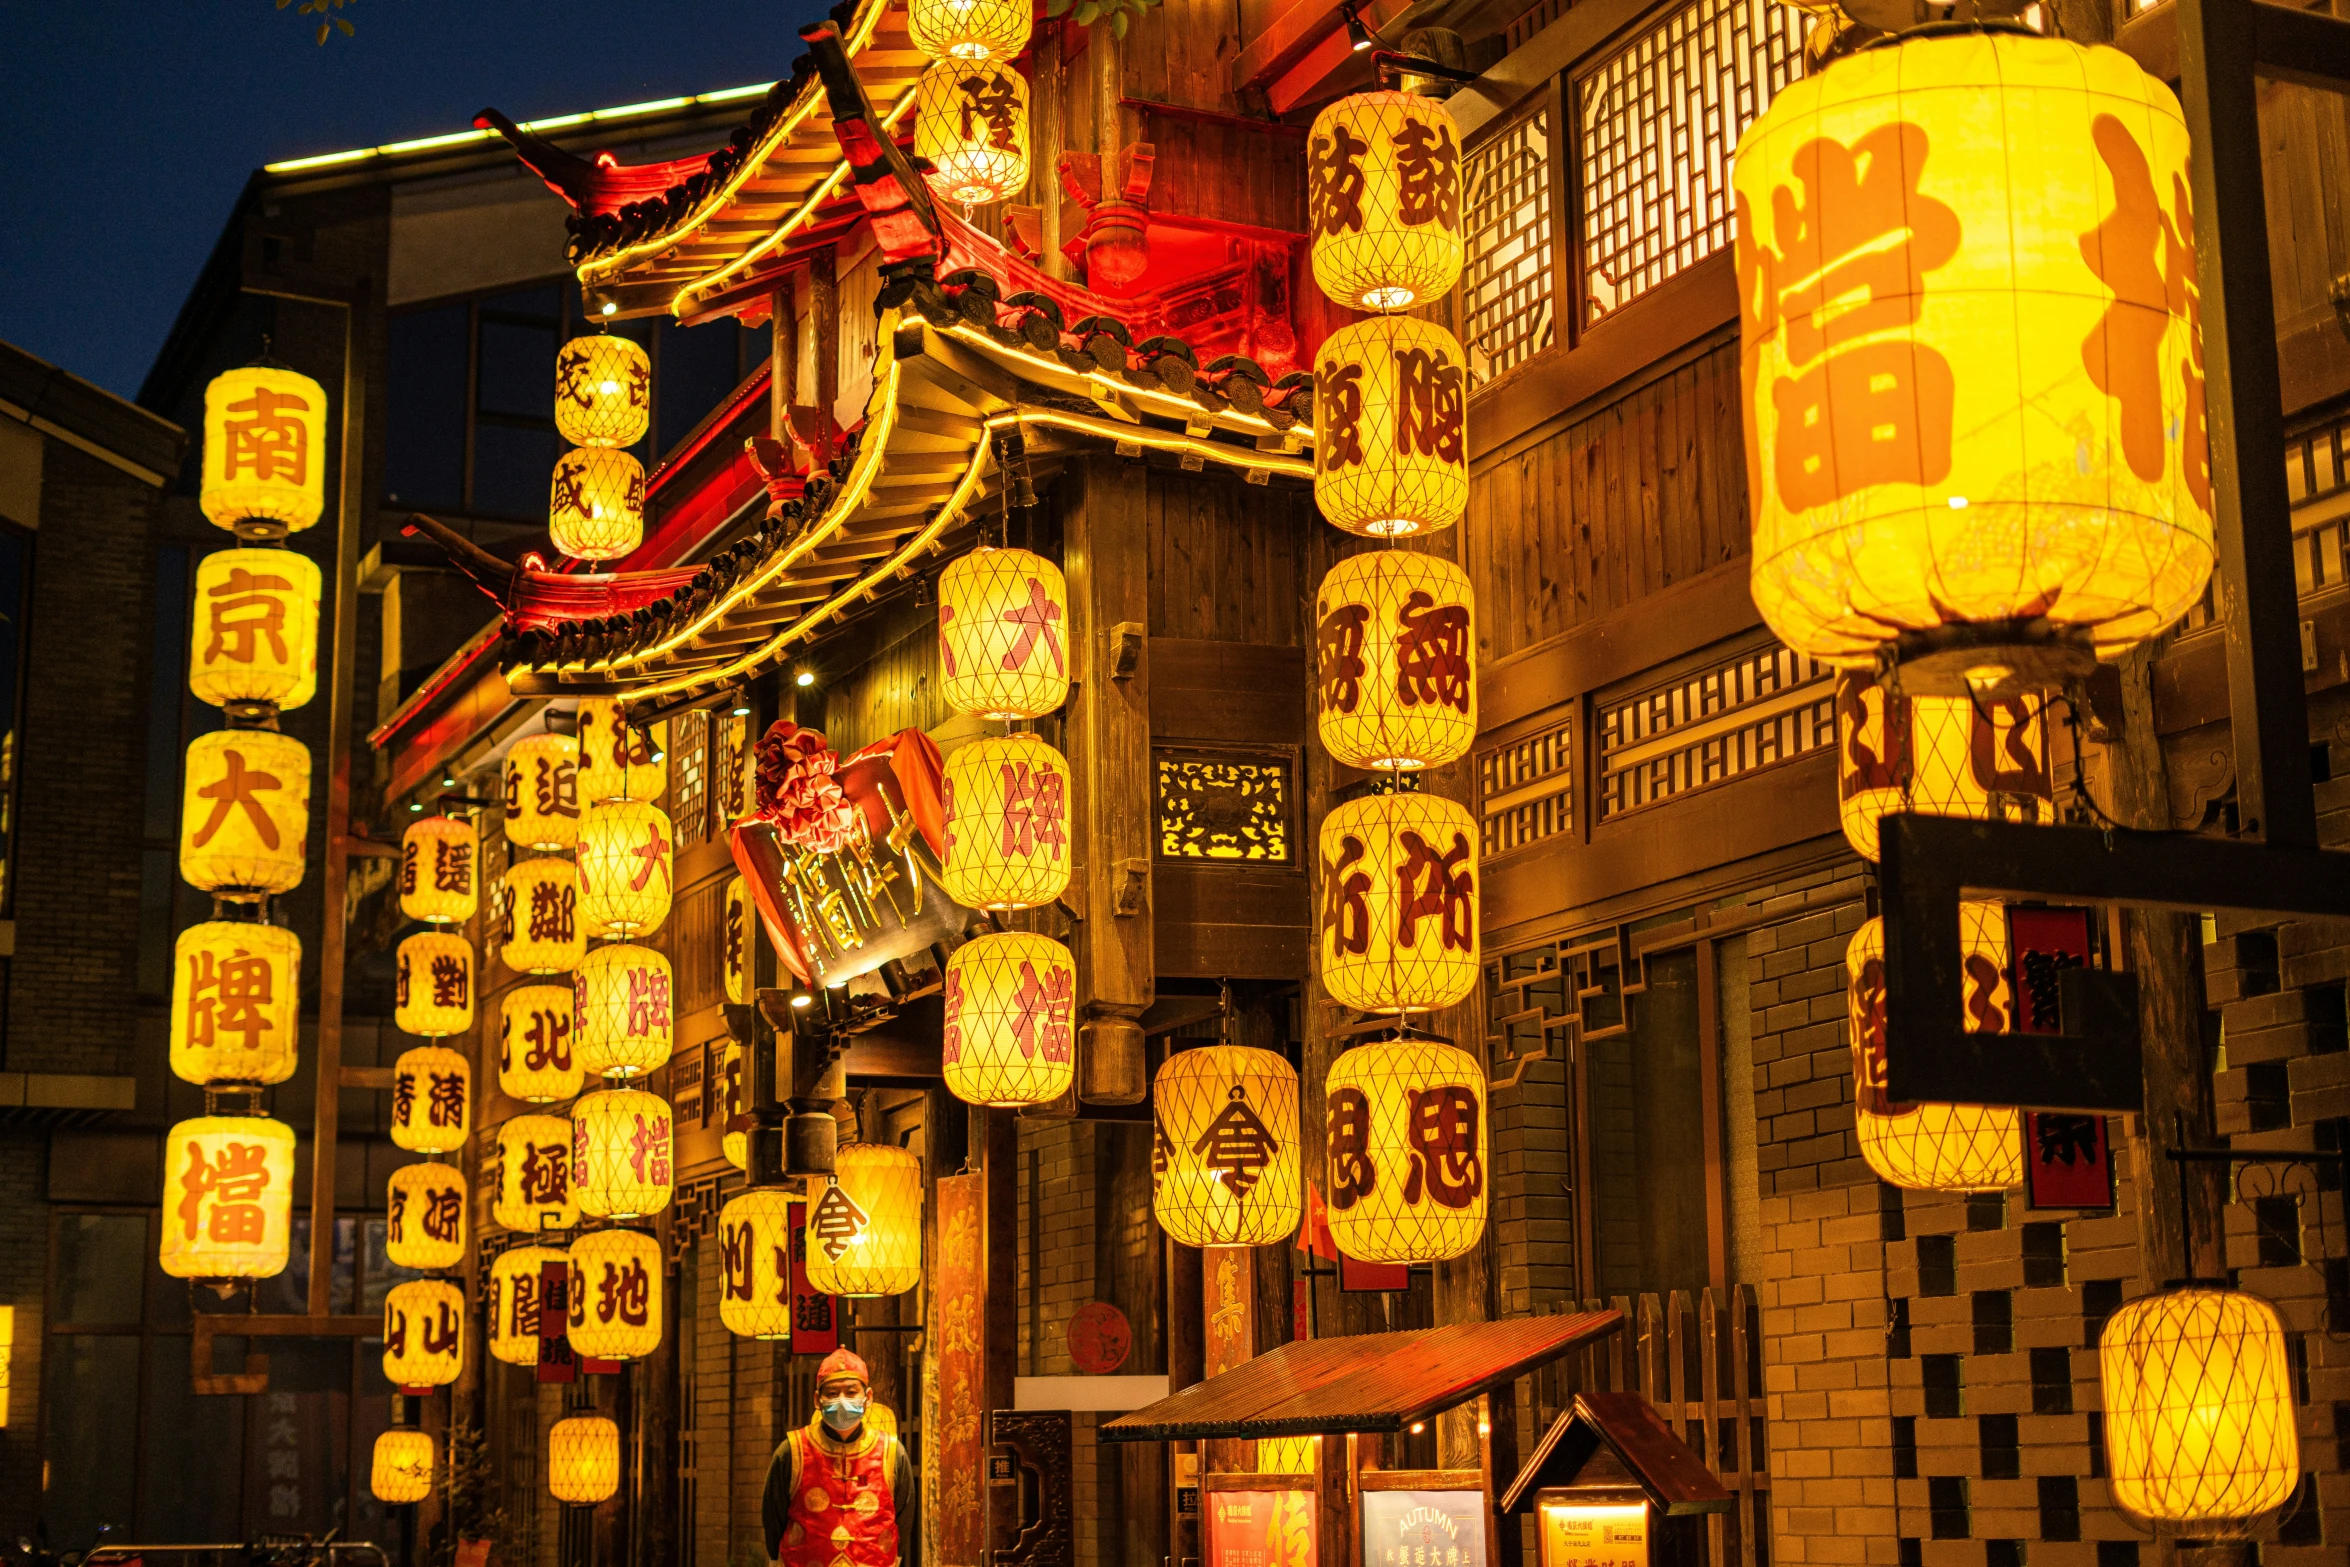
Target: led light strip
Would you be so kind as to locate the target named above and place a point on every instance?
(1164, 441)
(1179, 407)
(537, 127)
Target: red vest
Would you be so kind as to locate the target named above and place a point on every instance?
(841, 1514)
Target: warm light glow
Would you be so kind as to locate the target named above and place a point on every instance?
(256, 633)
(1398, 929)
(432, 1100)
(1594, 1532)
(1288, 1455)
(228, 1193)
(512, 1302)
(439, 871)
(865, 1226)
(603, 391)
(538, 929)
(7, 1355)
(969, 29)
(1934, 1147)
(626, 866)
(735, 1145)
(1007, 833)
(536, 1060)
(1010, 1001)
(1391, 452)
(432, 984)
(1383, 200)
(754, 1257)
(583, 1459)
(424, 1333)
(534, 1175)
(402, 1467)
(1003, 627)
(264, 448)
(971, 124)
(621, 1152)
(1406, 1147)
(1225, 1165)
(1942, 756)
(1396, 660)
(425, 1228)
(616, 762)
(621, 999)
(2199, 1416)
(235, 1003)
(739, 942)
(245, 818)
(542, 792)
(615, 1295)
(596, 504)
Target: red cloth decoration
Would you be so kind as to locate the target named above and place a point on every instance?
(797, 792)
(920, 773)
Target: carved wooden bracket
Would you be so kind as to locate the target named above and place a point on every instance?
(1125, 649)
(1134, 885)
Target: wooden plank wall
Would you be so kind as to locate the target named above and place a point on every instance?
(895, 687)
(1227, 559)
(2308, 235)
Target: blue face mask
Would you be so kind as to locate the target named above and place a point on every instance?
(844, 1414)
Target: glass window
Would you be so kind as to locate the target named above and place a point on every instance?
(92, 1395)
(101, 1268)
(290, 1291)
(517, 368)
(194, 1449)
(424, 439)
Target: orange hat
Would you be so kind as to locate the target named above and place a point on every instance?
(843, 1363)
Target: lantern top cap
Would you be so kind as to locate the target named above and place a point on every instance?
(1609, 1440)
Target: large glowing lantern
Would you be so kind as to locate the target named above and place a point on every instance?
(424, 1333)
(1009, 1003)
(596, 504)
(1398, 924)
(617, 762)
(542, 792)
(425, 1227)
(1934, 1147)
(228, 1196)
(245, 817)
(401, 1469)
(439, 863)
(754, 1261)
(432, 1100)
(513, 1302)
(1973, 384)
(734, 1144)
(1983, 758)
(1007, 834)
(1406, 1138)
(536, 1063)
(2199, 1416)
(625, 855)
(969, 29)
(432, 984)
(621, 1000)
(865, 1228)
(603, 391)
(1224, 1152)
(738, 947)
(971, 123)
(583, 1460)
(1383, 200)
(538, 929)
(615, 1295)
(620, 1154)
(534, 1175)
(1395, 652)
(264, 449)
(256, 635)
(235, 1002)
(1003, 634)
(1391, 448)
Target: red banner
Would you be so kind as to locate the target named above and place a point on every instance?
(556, 1362)
(959, 1293)
(2045, 942)
(2068, 1162)
(815, 1316)
(1259, 1529)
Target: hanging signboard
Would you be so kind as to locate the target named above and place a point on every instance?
(556, 1361)
(815, 1316)
(2068, 1162)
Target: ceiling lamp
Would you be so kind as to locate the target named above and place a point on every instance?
(1934, 1147)
(1396, 661)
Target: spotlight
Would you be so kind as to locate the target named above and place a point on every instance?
(1358, 37)
(804, 679)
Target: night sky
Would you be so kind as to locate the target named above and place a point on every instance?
(129, 129)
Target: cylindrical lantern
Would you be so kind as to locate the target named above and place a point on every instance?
(536, 1062)
(514, 1298)
(432, 1100)
(264, 448)
(1003, 634)
(969, 29)
(245, 818)
(542, 792)
(625, 854)
(235, 1002)
(424, 1333)
(1973, 385)
(438, 861)
(228, 1194)
(971, 123)
(596, 504)
(1395, 654)
(1398, 927)
(402, 1467)
(738, 950)
(1983, 759)
(583, 1459)
(736, 1146)
(1391, 451)
(534, 1175)
(1934, 1147)
(865, 1228)
(621, 999)
(256, 634)
(1224, 1152)
(1407, 1151)
(1007, 833)
(2199, 1415)
(1009, 1000)
(426, 1224)
(754, 1260)
(432, 984)
(620, 1154)
(603, 391)
(615, 1295)
(617, 762)
(538, 928)
(1383, 200)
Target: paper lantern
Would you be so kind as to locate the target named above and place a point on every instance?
(1009, 1004)
(264, 449)
(2199, 1416)
(235, 1003)
(1981, 758)
(1003, 634)
(971, 123)
(228, 1197)
(424, 1333)
(1407, 1151)
(1391, 452)
(615, 1295)
(538, 928)
(865, 1227)
(432, 1100)
(1933, 1147)
(969, 29)
(536, 1063)
(616, 761)
(1383, 200)
(432, 984)
(513, 1303)
(1007, 829)
(1395, 653)
(1398, 927)
(735, 1145)
(245, 817)
(739, 948)
(1224, 1147)
(596, 504)
(256, 634)
(621, 999)
(625, 868)
(534, 1175)
(620, 1154)
(438, 871)
(1973, 383)
(603, 391)
(401, 1470)
(542, 792)
(754, 1265)
(426, 1224)
(583, 1459)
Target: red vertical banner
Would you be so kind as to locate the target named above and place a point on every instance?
(1228, 1280)
(815, 1316)
(2068, 1162)
(556, 1362)
(958, 1300)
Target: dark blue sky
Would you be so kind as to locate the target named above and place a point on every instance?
(128, 129)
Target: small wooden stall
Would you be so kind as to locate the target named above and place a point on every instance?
(1613, 1487)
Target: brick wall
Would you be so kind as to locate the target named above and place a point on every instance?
(1056, 1273)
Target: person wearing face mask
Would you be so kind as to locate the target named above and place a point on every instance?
(840, 1493)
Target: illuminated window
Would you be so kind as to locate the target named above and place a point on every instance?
(1223, 807)
(1728, 717)
(1508, 309)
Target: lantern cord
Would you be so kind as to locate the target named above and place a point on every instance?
(2082, 796)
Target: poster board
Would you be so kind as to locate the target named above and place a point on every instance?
(1259, 1529)
(1423, 1529)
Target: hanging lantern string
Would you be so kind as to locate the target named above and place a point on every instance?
(2082, 796)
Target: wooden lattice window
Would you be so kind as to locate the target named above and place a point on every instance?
(1736, 715)
(730, 760)
(1215, 806)
(689, 778)
(1526, 789)
(1508, 314)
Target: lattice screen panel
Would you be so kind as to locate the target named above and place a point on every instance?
(1507, 312)
(1736, 716)
(1526, 789)
(689, 778)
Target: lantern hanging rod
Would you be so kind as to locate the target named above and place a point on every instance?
(1394, 64)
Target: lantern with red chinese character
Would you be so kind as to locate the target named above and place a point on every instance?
(1395, 652)
(438, 862)
(596, 504)
(542, 792)
(621, 1150)
(1383, 200)
(1406, 1149)
(432, 984)
(1224, 1150)
(616, 760)
(971, 125)
(603, 391)
(538, 928)
(1399, 903)
(583, 1460)
(400, 1469)
(1007, 835)
(432, 1100)
(264, 450)
(1003, 630)
(228, 1194)
(621, 999)
(739, 941)
(1934, 1147)
(245, 818)
(1985, 759)
(865, 1227)
(256, 636)
(1391, 453)
(754, 1265)
(513, 1297)
(1009, 1026)
(734, 1144)
(534, 1175)
(235, 1002)
(615, 1295)
(969, 29)
(426, 1224)
(625, 870)
(424, 1334)
(536, 1060)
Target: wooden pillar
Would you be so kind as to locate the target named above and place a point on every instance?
(1000, 1160)
(783, 360)
(824, 322)
(1186, 1364)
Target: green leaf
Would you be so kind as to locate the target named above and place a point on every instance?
(1117, 24)
(1056, 7)
(1088, 12)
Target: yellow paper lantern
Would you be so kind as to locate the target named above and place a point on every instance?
(235, 1002)
(971, 124)
(1391, 451)
(256, 635)
(621, 1149)
(1007, 829)
(426, 1224)
(1398, 927)
(1984, 759)
(439, 857)
(596, 504)
(739, 950)
(1224, 1147)
(542, 792)
(754, 1265)
(1003, 630)
(432, 1100)
(538, 928)
(513, 1302)
(7, 1353)
(736, 1146)
(969, 29)
(616, 761)
(534, 1175)
(583, 1460)
(1396, 660)
(401, 1470)
(625, 868)
(1973, 385)
(228, 1196)
(615, 1295)
(264, 448)
(432, 984)
(245, 818)
(2199, 1416)
(424, 1333)
(1383, 200)
(1407, 1151)
(1010, 999)
(1934, 1147)
(865, 1227)
(603, 391)
(536, 1063)
(621, 998)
